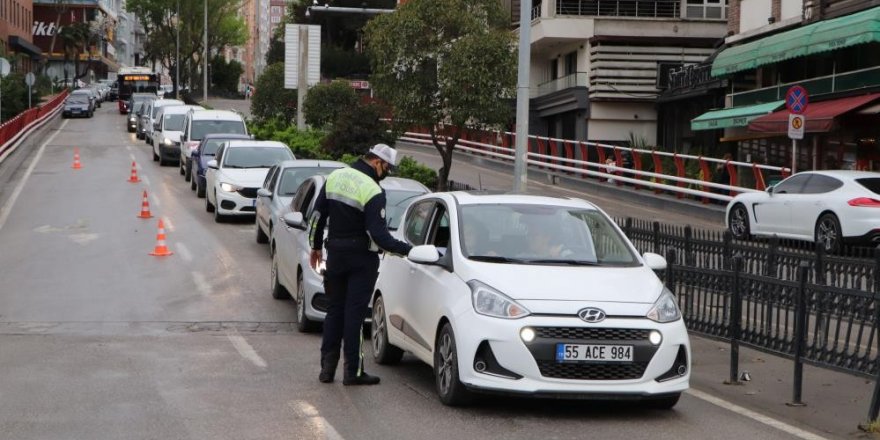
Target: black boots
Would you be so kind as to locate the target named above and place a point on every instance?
(353, 378)
(328, 367)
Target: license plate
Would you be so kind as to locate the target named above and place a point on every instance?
(254, 203)
(593, 353)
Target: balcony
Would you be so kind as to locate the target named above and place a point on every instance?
(578, 79)
(619, 8)
(841, 82)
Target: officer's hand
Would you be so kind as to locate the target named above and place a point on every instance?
(315, 259)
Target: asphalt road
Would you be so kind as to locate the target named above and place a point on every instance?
(99, 340)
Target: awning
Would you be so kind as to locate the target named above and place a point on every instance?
(733, 117)
(838, 33)
(18, 43)
(820, 115)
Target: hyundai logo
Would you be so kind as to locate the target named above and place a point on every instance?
(591, 314)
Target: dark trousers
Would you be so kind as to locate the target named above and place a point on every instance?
(348, 283)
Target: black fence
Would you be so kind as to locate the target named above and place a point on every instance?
(788, 299)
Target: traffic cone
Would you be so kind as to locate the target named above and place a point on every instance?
(134, 173)
(76, 164)
(145, 207)
(161, 250)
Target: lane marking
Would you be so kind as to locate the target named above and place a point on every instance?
(155, 200)
(7, 209)
(133, 159)
(168, 225)
(146, 180)
(184, 252)
(245, 349)
(321, 428)
(202, 284)
(769, 421)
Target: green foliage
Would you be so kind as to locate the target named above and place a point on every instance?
(325, 102)
(411, 169)
(225, 75)
(343, 63)
(275, 54)
(304, 144)
(356, 130)
(15, 96)
(271, 100)
(349, 158)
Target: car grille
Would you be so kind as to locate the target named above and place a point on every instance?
(582, 371)
(592, 333)
(250, 193)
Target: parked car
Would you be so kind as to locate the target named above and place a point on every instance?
(290, 248)
(149, 117)
(77, 105)
(135, 97)
(282, 181)
(564, 304)
(135, 108)
(93, 100)
(167, 128)
(199, 123)
(237, 172)
(831, 208)
(206, 151)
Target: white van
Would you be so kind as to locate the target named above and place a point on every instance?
(201, 122)
(167, 130)
(150, 114)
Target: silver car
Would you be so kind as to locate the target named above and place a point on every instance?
(291, 271)
(273, 199)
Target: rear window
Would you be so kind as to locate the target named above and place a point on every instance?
(212, 146)
(201, 128)
(872, 183)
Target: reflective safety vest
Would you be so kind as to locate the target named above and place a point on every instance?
(351, 187)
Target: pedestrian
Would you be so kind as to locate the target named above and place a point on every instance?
(354, 203)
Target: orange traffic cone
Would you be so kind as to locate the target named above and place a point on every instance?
(76, 164)
(134, 173)
(145, 207)
(161, 250)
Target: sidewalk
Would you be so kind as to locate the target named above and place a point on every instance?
(835, 402)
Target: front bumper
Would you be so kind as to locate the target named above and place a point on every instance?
(233, 203)
(75, 113)
(169, 152)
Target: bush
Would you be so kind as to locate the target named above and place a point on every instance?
(271, 100)
(304, 144)
(325, 102)
(225, 75)
(411, 169)
(15, 96)
(356, 131)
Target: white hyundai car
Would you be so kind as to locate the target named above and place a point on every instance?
(829, 207)
(290, 246)
(236, 173)
(529, 296)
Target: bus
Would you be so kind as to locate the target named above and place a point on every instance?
(135, 80)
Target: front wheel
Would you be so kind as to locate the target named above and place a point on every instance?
(383, 352)
(828, 234)
(446, 377)
(278, 291)
(303, 323)
(208, 205)
(187, 172)
(738, 222)
(262, 238)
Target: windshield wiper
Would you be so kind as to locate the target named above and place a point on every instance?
(496, 259)
(233, 166)
(567, 262)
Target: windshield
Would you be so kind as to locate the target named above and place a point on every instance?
(255, 157)
(138, 105)
(396, 203)
(212, 146)
(538, 234)
(77, 100)
(292, 178)
(201, 128)
(174, 122)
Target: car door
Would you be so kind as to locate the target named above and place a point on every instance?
(211, 173)
(263, 204)
(773, 215)
(286, 240)
(812, 201)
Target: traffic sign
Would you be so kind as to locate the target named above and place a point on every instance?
(796, 125)
(4, 67)
(29, 79)
(796, 99)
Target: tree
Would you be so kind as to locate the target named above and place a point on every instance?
(356, 130)
(275, 54)
(325, 102)
(225, 74)
(271, 100)
(447, 65)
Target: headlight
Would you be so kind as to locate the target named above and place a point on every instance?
(490, 302)
(665, 309)
(131, 119)
(228, 187)
(167, 142)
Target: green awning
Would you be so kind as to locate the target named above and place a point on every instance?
(850, 30)
(733, 117)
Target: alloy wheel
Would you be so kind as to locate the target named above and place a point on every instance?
(447, 357)
(378, 327)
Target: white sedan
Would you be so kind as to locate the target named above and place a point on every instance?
(829, 207)
(531, 296)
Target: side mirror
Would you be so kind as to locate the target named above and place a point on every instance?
(212, 164)
(263, 192)
(654, 261)
(769, 190)
(156, 127)
(425, 254)
(294, 220)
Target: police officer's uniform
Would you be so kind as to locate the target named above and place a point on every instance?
(355, 205)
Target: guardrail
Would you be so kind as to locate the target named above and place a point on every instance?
(13, 130)
(618, 165)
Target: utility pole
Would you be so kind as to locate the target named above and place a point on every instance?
(303, 82)
(177, 57)
(520, 166)
(205, 89)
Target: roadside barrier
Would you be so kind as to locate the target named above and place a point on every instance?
(13, 131)
(145, 207)
(133, 178)
(76, 163)
(161, 249)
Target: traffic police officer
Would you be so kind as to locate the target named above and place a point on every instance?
(354, 203)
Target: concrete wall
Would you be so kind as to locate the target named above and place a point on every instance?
(754, 14)
(614, 121)
(792, 9)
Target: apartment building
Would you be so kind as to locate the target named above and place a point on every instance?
(16, 42)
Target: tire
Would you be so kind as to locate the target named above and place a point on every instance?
(828, 233)
(187, 170)
(155, 156)
(208, 205)
(383, 352)
(262, 238)
(738, 222)
(278, 291)
(180, 167)
(663, 403)
(200, 190)
(192, 183)
(218, 218)
(446, 378)
(162, 161)
(303, 323)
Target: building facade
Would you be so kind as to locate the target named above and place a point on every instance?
(277, 12)
(16, 43)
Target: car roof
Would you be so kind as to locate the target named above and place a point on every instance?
(844, 174)
(253, 143)
(167, 102)
(179, 109)
(82, 91)
(216, 115)
(311, 163)
(225, 136)
(496, 198)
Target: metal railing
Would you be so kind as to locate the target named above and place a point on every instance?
(839, 82)
(620, 8)
(577, 79)
(11, 130)
(536, 12)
